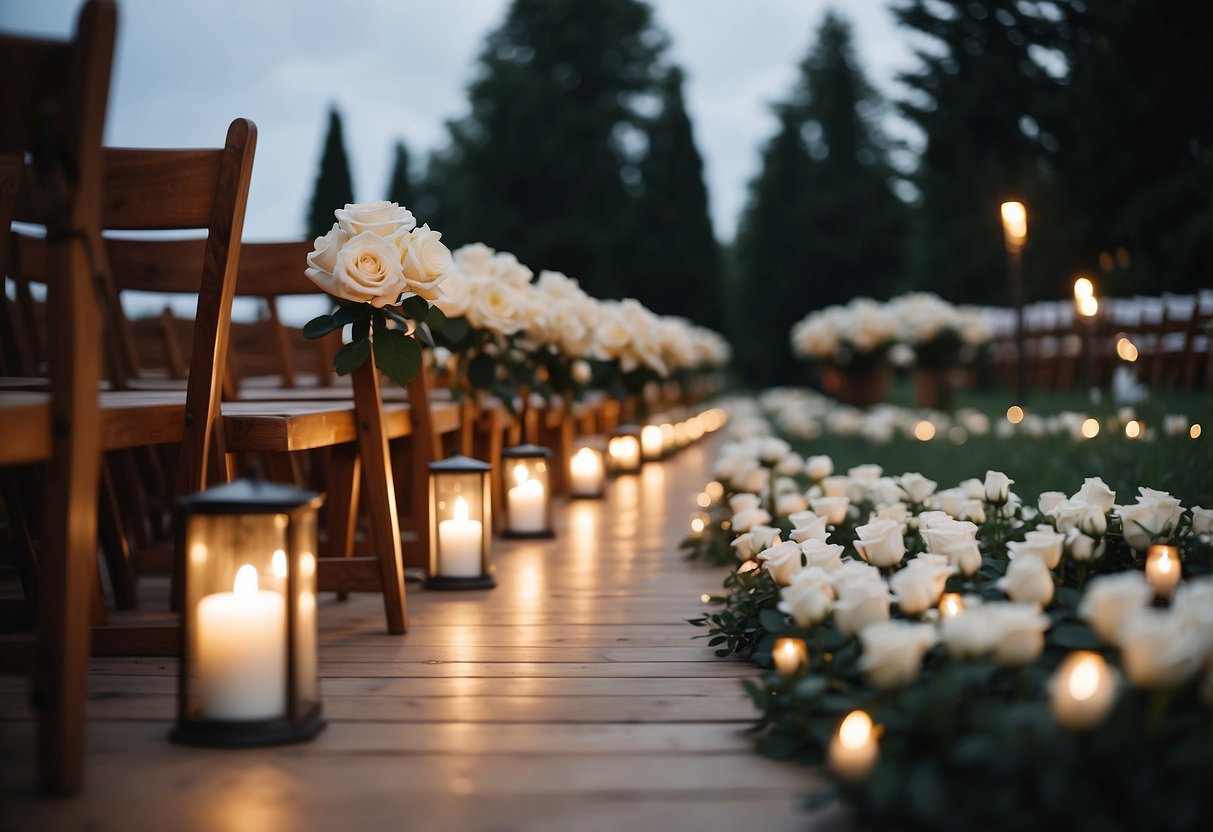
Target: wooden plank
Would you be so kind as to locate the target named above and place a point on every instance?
(138, 666)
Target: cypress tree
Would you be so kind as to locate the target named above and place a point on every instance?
(400, 187)
(334, 187)
(538, 166)
(678, 268)
(822, 224)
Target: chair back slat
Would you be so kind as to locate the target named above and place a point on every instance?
(159, 189)
(170, 266)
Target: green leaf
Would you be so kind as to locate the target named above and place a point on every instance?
(436, 320)
(773, 621)
(352, 356)
(320, 326)
(482, 372)
(398, 356)
(455, 330)
(350, 312)
(423, 334)
(416, 307)
(1075, 637)
(362, 327)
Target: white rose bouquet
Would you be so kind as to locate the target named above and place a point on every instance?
(386, 270)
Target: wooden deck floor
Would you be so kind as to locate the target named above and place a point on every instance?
(569, 698)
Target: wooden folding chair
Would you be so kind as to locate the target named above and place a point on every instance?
(52, 105)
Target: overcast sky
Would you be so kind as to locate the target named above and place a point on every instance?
(400, 69)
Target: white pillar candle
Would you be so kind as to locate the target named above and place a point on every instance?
(626, 452)
(241, 652)
(791, 657)
(1163, 569)
(524, 503)
(854, 748)
(459, 543)
(585, 470)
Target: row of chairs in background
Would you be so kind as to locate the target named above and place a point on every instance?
(1167, 340)
(105, 421)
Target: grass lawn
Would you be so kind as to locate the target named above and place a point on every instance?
(1182, 466)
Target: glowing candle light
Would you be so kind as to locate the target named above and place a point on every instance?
(951, 605)
(459, 541)
(525, 503)
(1015, 414)
(791, 657)
(1163, 569)
(652, 445)
(854, 748)
(1014, 225)
(1082, 691)
(586, 473)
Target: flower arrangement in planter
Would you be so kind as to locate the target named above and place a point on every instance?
(851, 345)
(942, 339)
(386, 271)
(974, 659)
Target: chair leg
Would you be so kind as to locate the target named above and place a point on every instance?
(115, 547)
(341, 504)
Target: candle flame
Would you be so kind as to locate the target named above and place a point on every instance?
(951, 605)
(1083, 288)
(855, 731)
(697, 524)
(246, 581)
(584, 461)
(1085, 677)
(460, 512)
(278, 563)
(1088, 306)
(1164, 562)
(1090, 428)
(1014, 223)
(520, 474)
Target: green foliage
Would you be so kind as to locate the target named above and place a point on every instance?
(822, 224)
(397, 353)
(537, 166)
(740, 629)
(334, 186)
(676, 265)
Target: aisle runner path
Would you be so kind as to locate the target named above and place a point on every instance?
(569, 698)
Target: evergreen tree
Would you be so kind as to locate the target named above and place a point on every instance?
(822, 224)
(975, 98)
(400, 187)
(538, 166)
(1134, 129)
(677, 269)
(334, 187)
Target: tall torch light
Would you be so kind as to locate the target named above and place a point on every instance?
(1015, 234)
(1087, 307)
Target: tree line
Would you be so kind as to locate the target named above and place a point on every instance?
(577, 154)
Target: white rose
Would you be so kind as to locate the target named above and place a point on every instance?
(1202, 520)
(808, 597)
(1020, 633)
(426, 261)
(972, 510)
(1157, 650)
(506, 268)
(825, 556)
(1028, 581)
(997, 486)
(1111, 599)
(782, 560)
(454, 295)
(495, 307)
(1194, 604)
(819, 467)
(1049, 500)
(474, 259)
(322, 261)
(927, 520)
(880, 543)
(866, 474)
(791, 465)
(916, 487)
(581, 371)
(742, 521)
(951, 501)
(919, 586)
(893, 651)
(854, 574)
(1043, 543)
(382, 218)
(835, 486)
(862, 604)
(1081, 548)
(744, 501)
(969, 635)
(834, 509)
(753, 479)
(884, 491)
(972, 488)
(786, 504)
(772, 449)
(805, 530)
(897, 512)
(1095, 492)
(367, 269)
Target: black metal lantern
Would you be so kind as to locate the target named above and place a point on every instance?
(461, 525)
(624, 450)
(248, 673)
(526, 470)
(587, 470)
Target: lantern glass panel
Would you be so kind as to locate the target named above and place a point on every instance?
(528, 494)
(307, 675)
(587, 470)
(237, 617)
(461, 524)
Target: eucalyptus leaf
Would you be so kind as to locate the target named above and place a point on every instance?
(351, 356)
